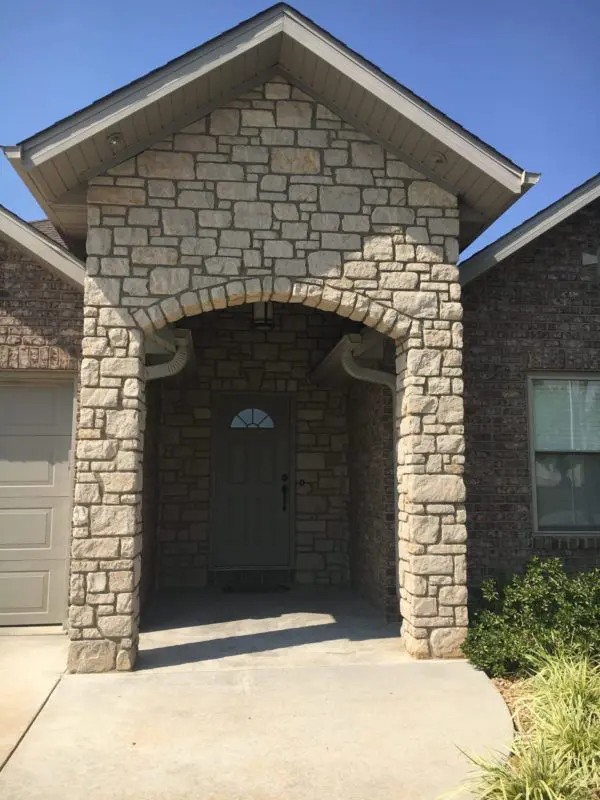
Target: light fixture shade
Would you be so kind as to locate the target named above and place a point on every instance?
(262, 316)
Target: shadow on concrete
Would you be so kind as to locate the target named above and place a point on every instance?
(220, 625)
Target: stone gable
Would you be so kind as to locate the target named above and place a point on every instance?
(273, 185)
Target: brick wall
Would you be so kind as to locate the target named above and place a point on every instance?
(234, 356)
(538, 310)
(373, 543)
(40, 316)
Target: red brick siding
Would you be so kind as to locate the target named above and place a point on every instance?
(538, 310)
(40, 318)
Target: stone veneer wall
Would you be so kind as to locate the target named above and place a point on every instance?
(373, 542)
(538, 310)
(272, 197)
(40, 318)
(233, 356)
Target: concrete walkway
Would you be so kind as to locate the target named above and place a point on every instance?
(31, 663)
(296, 700)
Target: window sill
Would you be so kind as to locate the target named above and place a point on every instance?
(568, 539)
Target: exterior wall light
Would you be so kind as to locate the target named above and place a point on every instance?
(262, 316)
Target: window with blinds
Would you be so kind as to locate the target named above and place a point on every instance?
(566, 443)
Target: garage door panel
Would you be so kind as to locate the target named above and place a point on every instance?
(36, 410)
(36, 465)
(32, 592)
(35, 501)
(30, 527)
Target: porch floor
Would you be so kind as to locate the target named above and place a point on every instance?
(305, 695)
(305, 626)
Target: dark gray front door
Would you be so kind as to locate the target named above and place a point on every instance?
(252, 483)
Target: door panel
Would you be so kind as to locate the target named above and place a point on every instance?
(35, 501)
(251, 470)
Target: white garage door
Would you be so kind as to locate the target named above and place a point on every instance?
(35, 501)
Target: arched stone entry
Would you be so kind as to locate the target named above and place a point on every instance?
(370, 239)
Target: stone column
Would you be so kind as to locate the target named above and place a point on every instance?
(432, 517)
(106, 544)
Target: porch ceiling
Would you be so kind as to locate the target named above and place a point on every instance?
(57, 162)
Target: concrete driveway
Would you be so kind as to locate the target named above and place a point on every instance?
(30, 666)
(293, 700)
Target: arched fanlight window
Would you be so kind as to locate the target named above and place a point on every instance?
(252, 418)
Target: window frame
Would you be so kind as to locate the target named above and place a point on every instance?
(551, 375)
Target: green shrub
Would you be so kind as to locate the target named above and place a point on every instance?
(543, 608)
(556, 755)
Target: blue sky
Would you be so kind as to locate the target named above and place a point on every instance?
(521, 74)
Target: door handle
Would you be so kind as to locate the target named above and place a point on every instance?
(284, 491)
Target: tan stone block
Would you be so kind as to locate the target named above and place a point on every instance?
(417, 648)
(450, 444)
(257, 118)
(432, 565)
(253, 215)
(399, 280)
(225, 121)
(115, 626)
(91, 656)
(365, 154)
(423, 362)
(125, 660)
(454, 534)
(121, 367)
(89, 372)
(428, 194)
(424, 607)
(101, 450)
(444, 272)
(340, 198)
(77, 589)
(424, 530)
(98, 241)
(190, 304)
(169, 280)
(115, 318)
(435, 338)
(178, 222)
(419, 404)
(96, 582)
(164, 164)
(81, 616)
(116, 196)
(453, 595)
(435, 489)
(119, 482)
(451, 311)
(293, 114)
(325, 263)
(392, 215)
(295, 160)
(99, 398)
(377, 248)
(120, 581)
(447, 642)
(87, 493)
(123, 424)
(450, 410)
(95, 548)
(113, 520)
(102, 291)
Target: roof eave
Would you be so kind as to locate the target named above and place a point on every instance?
(531, 229)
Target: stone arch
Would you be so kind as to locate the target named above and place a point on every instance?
(238, 291)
